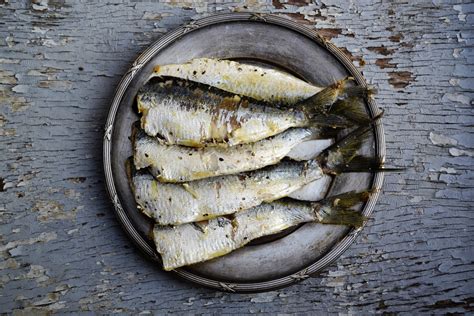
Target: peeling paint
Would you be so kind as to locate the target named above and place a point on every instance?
(52, 210)
(77, 180)
(39, 5)
(442, 140)
(265, 297)
(330, 33)
(352, 57)
(9, 263)
(438, 99)
(396, 38)
(457, 52)
(385, 63)
(461, 15)
(460, 152)
(56, 85)
(72, 194)
(7, 77)
(9, 61)
(43, 237)
(10, 41)
(457, 97)
(448, 170)
(38, 273)
(400, 79)
(17, 103)
(382, 50)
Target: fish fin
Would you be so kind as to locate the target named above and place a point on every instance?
(345, 149)
(363, 164)
(330, 121)
(344, 217)
(323, 101)
(327, 133)
(353, 109)
(337, 209)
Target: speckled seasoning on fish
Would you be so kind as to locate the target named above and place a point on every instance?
(196, 242)
(174, 163)
(170, 203)
(252, 81)
(193, 114)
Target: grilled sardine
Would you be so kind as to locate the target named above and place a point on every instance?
(193, 114)
(196, 242)
(174, 163)
(170, 203)
(252, 81)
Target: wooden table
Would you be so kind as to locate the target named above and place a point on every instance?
(62, 249)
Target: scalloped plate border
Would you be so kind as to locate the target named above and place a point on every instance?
(168, 38)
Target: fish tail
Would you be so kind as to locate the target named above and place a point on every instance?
(342, 156)
(326, 132)
(352, 109)
(330, 126)
(338, 100)
(363, 164)
(338, 210)
(343, 151)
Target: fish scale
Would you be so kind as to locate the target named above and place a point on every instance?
(169, 163)
(186, 244)
(174, 203)
(253, 81)
(170, 203)
(193, 114)
(188, 114)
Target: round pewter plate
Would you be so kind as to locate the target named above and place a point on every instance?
(259, 39)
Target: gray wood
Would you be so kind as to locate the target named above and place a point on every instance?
(62, 248)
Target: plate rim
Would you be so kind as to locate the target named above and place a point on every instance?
(338, 249)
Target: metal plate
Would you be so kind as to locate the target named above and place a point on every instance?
(256, 38)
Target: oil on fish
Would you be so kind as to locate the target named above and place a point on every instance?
(263, 84)
(178, 203)
(174, 163)
(192, 114)
(196, 242)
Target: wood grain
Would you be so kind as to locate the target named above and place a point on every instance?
(61, 248)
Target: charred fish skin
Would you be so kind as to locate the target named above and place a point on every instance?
(243, 79)
(187, 244)
(168, 163)
(191, 114)
(174, 204)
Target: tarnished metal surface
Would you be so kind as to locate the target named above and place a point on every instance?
(283, 44)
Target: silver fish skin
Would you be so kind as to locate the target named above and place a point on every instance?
(196, 242)
(243, 79)
(171, 203)
(174, 163)
(174, 204)
(190, 114)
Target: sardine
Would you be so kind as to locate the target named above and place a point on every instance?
(193, 114)
(196, 242)
(174, 163)
(252, 81)
(171, 203)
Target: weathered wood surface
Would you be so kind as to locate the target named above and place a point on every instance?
(62, 249)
